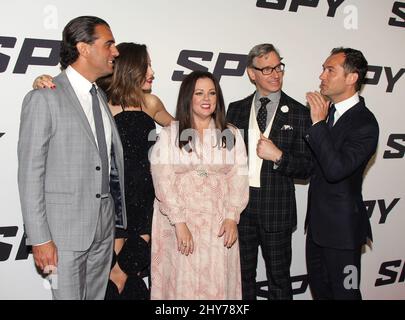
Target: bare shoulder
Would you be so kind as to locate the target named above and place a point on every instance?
(156, 110)
(153, 103)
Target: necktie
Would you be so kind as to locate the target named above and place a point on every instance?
(262, 113)
(102, 145)
(331, 115)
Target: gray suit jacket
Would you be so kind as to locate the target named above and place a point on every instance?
(57, 174)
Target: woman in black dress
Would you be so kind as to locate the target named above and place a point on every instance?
(135, 111)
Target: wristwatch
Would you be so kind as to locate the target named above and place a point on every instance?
(278, 161)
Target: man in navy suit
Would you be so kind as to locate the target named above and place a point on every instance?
(343, 138)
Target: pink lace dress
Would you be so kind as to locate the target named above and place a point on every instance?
(202, 189)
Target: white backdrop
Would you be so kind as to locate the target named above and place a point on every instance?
(304, 34)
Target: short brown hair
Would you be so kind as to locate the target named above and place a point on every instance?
(260, 50)
(355, 62)
(124, 86)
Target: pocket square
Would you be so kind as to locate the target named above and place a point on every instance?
(286, 127)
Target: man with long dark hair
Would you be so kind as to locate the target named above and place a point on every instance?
(68, 149)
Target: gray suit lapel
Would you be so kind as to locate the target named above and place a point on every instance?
(75, 103)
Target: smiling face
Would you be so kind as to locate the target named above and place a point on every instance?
(101, 54)
(204, 100)
(270, 83)
(147, 85)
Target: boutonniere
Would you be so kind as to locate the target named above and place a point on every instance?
(284, 109)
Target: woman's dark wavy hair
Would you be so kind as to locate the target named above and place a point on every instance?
(80, 29)
(124, 86)
(184, 113)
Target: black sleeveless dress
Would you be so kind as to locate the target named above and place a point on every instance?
(136, 128)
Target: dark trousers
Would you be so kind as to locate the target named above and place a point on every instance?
(333, 274)
(276, 251)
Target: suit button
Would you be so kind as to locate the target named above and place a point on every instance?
(98, 195)
(98, 168)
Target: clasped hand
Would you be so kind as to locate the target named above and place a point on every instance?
(319, 106)
(267, 150)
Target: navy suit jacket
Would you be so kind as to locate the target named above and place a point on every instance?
(336, 213)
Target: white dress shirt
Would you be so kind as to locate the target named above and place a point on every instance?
(81, 87)
(343, 106)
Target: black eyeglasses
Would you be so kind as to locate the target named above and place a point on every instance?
(269, 70)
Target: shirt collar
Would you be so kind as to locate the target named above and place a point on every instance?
(345, 105)
(273, 96)
(79, 83)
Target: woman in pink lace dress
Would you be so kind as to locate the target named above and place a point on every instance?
(201, 186)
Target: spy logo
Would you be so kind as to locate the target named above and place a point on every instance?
(396, 142)
(399, 10)
(221, 67)
(391, 272)
(298, 283)
(10, 233)
(27, 56)
(384, 207)
(295, 4)
(374, 75)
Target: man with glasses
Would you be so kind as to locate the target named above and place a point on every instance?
(273, 125)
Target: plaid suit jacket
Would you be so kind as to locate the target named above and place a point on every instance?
(277, 209)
